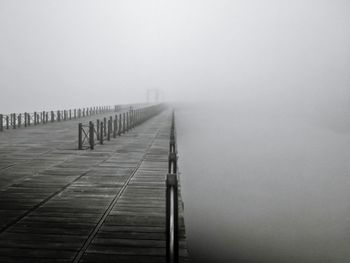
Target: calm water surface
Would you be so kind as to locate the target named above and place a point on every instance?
(263, 187)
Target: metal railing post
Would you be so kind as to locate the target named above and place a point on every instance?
(172, 224)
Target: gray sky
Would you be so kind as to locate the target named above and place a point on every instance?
(56, 54)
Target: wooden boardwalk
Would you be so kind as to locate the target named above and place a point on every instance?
(59, 204)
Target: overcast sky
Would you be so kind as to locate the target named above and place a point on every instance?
(56, 54)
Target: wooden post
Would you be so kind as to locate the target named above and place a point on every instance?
(127, 121)
(80, 136)
(70, 114)
(14, 120)
(19, 118)
(91, 135)
(7, 122)
(115, 123)
(109, 130)
(28, 116)
(58, 115)
(104, 126)
(35, 118)
(123, 122)
(47, 117)
(101, 132)
(120, 125)
(172, 215)
(98, 129)
(75, 113)
(1, 123)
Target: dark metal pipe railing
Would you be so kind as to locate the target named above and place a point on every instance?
(108, 128)
(172, 224)
(15, 120)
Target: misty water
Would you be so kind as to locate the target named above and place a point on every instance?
(264, 186)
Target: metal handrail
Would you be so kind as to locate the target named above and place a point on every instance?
(172, 225)
(109, 127)
(17, 120)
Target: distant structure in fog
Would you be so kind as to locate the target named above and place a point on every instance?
(153, 95)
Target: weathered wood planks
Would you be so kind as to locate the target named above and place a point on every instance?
(58, 204)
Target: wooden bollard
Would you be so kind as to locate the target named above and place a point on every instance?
(101, 132)
(7, 122)
(115, 123)
(120, 124)
(14, 120)
(19, 120)
(80, 136)
(104, 126)
(98, 129)
(75, 113)
(1, 122)
(109, 130)
(47, 117)
(132, 119)
(35, 118)
(172, 215)
(58, 115)
(91, 135)
(124, 122)
(127, 121)
(70, 114)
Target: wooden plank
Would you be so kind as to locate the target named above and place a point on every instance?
(57, 203)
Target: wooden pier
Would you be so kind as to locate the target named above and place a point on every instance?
(60, 204)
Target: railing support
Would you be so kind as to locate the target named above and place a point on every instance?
(172, 224)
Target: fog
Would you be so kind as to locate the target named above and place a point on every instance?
(262, 95)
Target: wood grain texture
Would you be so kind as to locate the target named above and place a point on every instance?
(58, 204)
